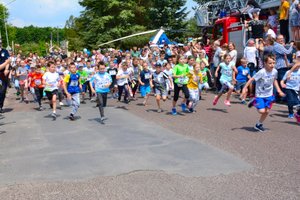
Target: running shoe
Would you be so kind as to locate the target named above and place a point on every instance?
(159, 110)
(61, 103)
(53, 115)
(183, 107)
(251, 103)
(243, 102)
(40, 108)
(259, 127)
(71, 117)
(291, 116)
(174, 112)
(227, 103)
(102, 120)
(191, 110)
(297, 117)
(215, 101)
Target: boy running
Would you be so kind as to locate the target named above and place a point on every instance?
(72, 87)
(195, 78)
(159, 81)
(36, 81)
(144, 80)
(102, 80)
(51, 81)
(265, 80)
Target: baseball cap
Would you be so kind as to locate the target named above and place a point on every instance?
(157, 65)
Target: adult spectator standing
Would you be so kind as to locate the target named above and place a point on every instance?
(295, 22)
(4, 72)
(281, 53)
(256, 25)
(284, 19)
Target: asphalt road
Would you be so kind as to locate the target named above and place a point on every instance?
(211, 154)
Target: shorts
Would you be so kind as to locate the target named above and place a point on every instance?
(145, 89)
(194, 94)
(50, 94)
(225, 86)
(240, 85)
(161, 91)
(265, 102)
(203, 86)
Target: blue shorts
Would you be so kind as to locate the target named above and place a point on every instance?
(145, 89)
(261, 103)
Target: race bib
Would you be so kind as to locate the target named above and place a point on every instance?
(38, 82)
(74, 83)
(182, 80)
(245, 72)
(227, 72)
(112, 72)
(147, 76)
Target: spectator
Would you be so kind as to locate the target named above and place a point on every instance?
(284, 19)
(295, 22)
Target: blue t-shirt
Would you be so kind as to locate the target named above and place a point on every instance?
(73, 84)
(100, 80)
(226, 71)
(145, 77)
(294, 82)
(242, 74)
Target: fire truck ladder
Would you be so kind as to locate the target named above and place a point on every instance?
(208, 12)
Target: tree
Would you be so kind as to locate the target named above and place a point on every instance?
(3, 19)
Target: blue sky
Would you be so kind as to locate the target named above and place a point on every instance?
(48, 12)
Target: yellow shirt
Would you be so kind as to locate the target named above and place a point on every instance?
(194, 79)
(284, 10)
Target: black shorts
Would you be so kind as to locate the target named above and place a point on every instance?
(50, 94)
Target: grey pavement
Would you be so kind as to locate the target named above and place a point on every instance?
(36, 148)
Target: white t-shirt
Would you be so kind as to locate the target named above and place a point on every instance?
(264, 82)
(52, 80)
(233, 55)
(271, 33)
(122, 81)
(250, 54)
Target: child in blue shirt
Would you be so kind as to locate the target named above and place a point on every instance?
(243, 75)
(144, 80)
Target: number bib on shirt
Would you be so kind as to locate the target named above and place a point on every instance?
(112, 72)
(147, 75)
(74, 83)
(182, 80)
(38, 82)
(245, 72)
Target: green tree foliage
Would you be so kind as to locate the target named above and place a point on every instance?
(105, 20)
(3, 18)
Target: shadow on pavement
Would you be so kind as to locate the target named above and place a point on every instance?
(121, 107)
(249, 129)
(218, 110)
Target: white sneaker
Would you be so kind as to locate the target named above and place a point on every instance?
(61, 103)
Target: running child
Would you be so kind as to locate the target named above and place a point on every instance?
(227, 79)
(144, 80)
(102, 80)
(83, 81)
(122, 81)
(51, 81)
(112, 71)
(195, 78)
(291, 83)
(265, 79)
(180, 72)
(159, 81)
(168, 70)
(243, 75)
(36, 81)
(204, 72)
(72, 87)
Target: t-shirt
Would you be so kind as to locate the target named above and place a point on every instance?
(204, 75)
(36, 80)
(264, 82)
(226, 72)
(72, 81)
(51, 80)
(90, 71)
(271, 33)
(122, 81)
(242, 74)
(160, 80)
(145, 76)
(181, 69)
(257, 28)
(83, 76)
(24, 71)
(283, 10)
(217, 58)
(100, 80)
(113, 73)
(294, 82)
(233, 55)
(194, 79)
(250, 54)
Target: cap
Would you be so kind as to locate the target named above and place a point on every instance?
(157, 65)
